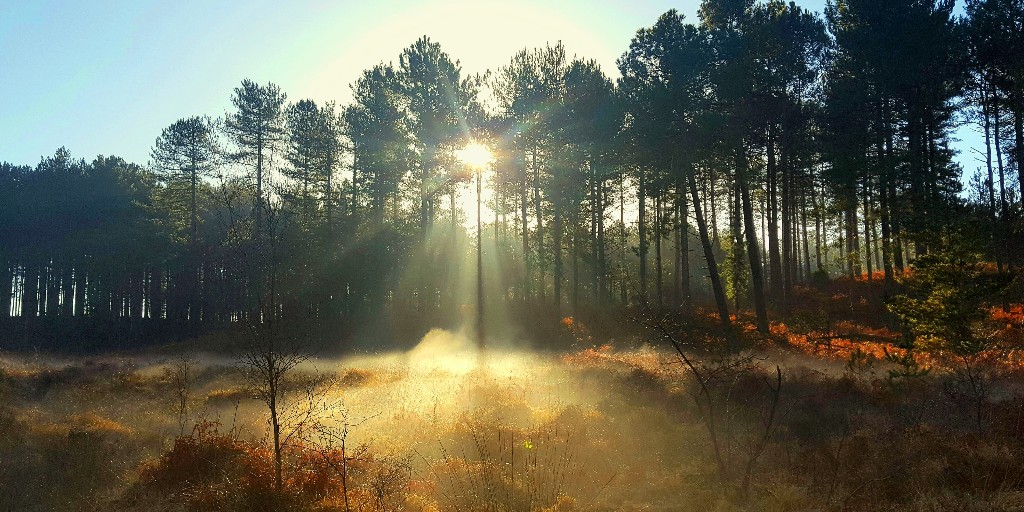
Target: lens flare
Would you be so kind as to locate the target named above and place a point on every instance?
(475, 155)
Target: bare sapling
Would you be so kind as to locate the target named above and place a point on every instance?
(714, 377)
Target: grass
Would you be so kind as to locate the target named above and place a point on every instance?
(598, 427)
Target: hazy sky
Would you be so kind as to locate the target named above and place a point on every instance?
(105, 77)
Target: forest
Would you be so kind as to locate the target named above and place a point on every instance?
(748, 272)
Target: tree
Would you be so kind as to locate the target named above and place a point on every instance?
(665, 73)
(993, 30)
(432, 85)
(944, 311)
(313, 150)
(910, 55)
(186, 152)
(735, 87)
(256, 127)
(529, 91)
(378, 128)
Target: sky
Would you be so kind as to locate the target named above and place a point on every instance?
(106, 77)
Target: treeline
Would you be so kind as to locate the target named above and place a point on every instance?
(735, 158)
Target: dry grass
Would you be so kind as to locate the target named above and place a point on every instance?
(597, 428)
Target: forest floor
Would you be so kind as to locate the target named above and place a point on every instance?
(826, 413)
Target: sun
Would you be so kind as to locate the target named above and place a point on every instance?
(475, 155)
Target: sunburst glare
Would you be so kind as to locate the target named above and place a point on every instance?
(475, 155)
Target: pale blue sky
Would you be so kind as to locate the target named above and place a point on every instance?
(105, 77)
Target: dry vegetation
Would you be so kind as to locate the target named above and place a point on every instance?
(856, 424)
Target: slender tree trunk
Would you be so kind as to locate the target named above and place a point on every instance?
(991, 179)
(677, 253)
(709, 196)
(53, 273)
(867, 229)
(67, 292)
(623, 295)
(709, 253)
(602, 259)
(524, 218)
(30, 292)
(275, 422)
(642, 226)
(1003, 204)
(736, 245)
(540, 225)
(328, 201)
(805, 241)
(424, 206)
(774, 254)
(258, 225)
(897, 235)
(594, 193)
(6, 288)
(684, 264)
(81, 284)
(876, 253)
(658, 268)
(136, 293)
(787, 226)
(1018, 132)
(677, 232)
(756, 271)
(917, 171)
(883, 191)
(155, 296)
(850, 223)
(895, 243)
(556, 241)
(817, 237)
(575, 260)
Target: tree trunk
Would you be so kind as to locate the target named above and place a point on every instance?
(658, 267)
(623, 295)
(30, 292)
(602, 259)
(684, 265)
(556, 240)
(709, 196)
(258, 224)
(774, 255)
(787, 226)
(817, 237)
(6, 288)
(524, 219)
(53, 274)
(852, 256)
(81, 285)
(709, 253)
(806, 242)
(67, 293)
(1018, 132)
(642, 227)
(756, 272)
(575, 261)
(736, 238)
(1003, 204)
(867, 229)
(595, 280)
(540, 225)
(991, 179)
(883, 192)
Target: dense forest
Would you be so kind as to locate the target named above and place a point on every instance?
(759, 148)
